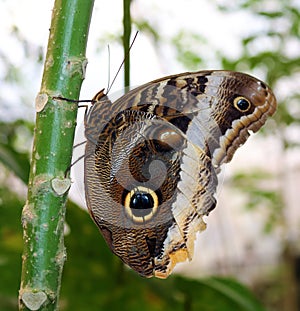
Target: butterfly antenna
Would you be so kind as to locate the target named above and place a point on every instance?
(114, 79)
(108, 82)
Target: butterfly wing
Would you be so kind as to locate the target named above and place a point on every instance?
(152, 159)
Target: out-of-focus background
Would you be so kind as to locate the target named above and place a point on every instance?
(253, 234)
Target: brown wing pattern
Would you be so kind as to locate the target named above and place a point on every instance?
(152, 159)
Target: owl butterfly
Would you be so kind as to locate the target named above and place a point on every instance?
(152, 159)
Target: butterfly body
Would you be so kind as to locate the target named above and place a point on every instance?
(152, 158)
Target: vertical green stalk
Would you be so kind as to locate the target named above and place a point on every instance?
(126, 40)
(44, 211)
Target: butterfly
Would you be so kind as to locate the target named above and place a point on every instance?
(152, 159)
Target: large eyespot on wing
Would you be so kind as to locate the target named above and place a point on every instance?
(141, 204)
(242, 104)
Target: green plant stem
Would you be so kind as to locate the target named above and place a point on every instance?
(126, 41)
(44, 211)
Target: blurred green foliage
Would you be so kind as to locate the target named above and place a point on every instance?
(13, 136)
